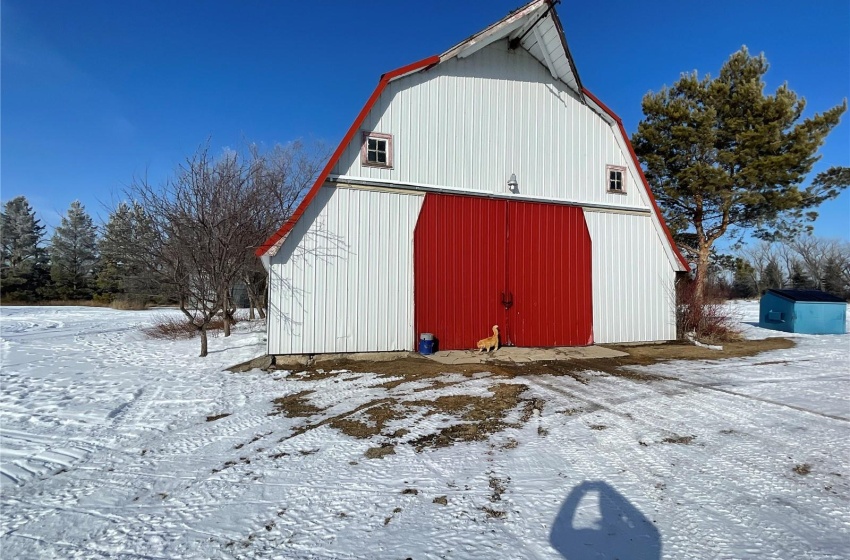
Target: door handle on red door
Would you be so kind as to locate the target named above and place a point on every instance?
(507, 299)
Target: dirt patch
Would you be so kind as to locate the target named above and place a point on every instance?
(531, 406)
(649, 354)
(380, 452)
(390, 518)
(442, 500)
(295, 406)
(481, 416)
(803, 469)
(417, 368)
(598, 427)
(493, 513)
(510, 444)
(408, 369)
(215, 417)
(477, 417)
(498, 486)
(374, 416)
(682, 440)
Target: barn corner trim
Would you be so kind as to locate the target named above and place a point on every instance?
(656, 210)
(320, 180)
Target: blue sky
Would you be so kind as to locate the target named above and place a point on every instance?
(96, 92)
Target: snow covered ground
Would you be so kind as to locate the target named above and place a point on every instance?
(113, 445)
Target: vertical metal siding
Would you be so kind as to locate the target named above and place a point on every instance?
(343, 279)
(633, 281)
(469, 123)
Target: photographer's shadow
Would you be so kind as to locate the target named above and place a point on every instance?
(597, 522)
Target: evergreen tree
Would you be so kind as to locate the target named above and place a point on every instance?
(797, 277)
(836, 276)
(743, 282)
(73, 254)
(23, 273)
(124, 246)
(722, 157)
(773, 279)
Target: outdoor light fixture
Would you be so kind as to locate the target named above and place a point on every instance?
(512, 184)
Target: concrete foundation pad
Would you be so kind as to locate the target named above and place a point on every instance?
(449, 357)
(524, 355)
(363, 357)
(303, 360)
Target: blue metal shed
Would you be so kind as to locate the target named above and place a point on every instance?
(803, 311)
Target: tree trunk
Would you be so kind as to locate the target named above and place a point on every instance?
(702, 273)
(251, 304)
(227, 311)
(264, 303)
(203, 341)
(254, 300)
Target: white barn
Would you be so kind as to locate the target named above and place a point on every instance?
(482, 186)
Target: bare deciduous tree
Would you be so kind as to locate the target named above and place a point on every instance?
(805, 261)
(208, 219)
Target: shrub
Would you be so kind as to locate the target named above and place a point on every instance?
(176, 327)
(710, 320)
(128, 302)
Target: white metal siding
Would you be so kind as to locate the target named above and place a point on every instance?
(469, 123)
(633, 282)
(343, 279)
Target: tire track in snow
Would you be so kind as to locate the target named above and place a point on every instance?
(730, 472)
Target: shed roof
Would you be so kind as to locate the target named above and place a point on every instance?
(807, 295)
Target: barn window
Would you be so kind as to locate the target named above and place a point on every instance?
(616, 179)
(377, 150)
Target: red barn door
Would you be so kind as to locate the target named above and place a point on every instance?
(549, 276)
(459, 268)
(481, 262)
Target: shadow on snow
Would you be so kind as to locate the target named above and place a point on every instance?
(597, 522)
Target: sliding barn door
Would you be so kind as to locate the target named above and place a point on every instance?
(459, 268)
(549, 276)
(481, 262)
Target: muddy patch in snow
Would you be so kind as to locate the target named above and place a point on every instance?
(479, 416)
(459, 410)
(649, 354)
(296, 405)
(414, 401)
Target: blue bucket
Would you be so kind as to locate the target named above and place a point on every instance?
(426, 343)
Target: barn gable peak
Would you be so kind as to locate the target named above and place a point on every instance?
(534, 27)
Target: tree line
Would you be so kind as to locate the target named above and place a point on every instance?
(802, 263)
(188, 240)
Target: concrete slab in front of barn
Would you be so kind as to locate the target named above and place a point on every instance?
(523, 355)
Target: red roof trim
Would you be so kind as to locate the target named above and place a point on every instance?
(658, 214)
(320, 180)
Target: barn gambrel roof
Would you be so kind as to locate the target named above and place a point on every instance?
(535, 28)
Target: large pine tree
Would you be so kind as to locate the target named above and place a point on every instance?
(73, 254)
(723, 158)
(23, 273)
